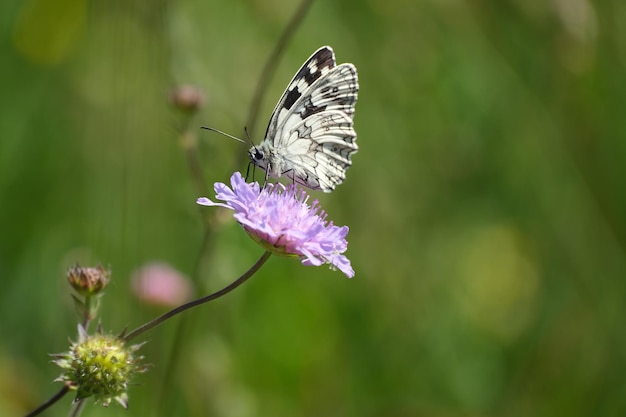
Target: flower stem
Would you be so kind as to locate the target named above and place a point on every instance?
(87, 314)
(243, 278)
(56, 397)
(269, 69)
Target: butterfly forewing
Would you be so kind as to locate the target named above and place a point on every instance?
(310, 137)
(318, 64)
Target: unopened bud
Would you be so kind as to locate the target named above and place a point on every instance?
(187, 98)
(88, 281)
(99, 366)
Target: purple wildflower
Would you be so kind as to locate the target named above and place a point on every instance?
(279, 218)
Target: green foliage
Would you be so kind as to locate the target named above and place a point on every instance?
(486, 206)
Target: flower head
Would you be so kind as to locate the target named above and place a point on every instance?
(88, 281)
(100, 366)
(160, 284)
(280, 219)
(187, 98)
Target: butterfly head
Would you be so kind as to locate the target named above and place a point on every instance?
(258, 156)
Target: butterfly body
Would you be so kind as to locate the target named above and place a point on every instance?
(310, 137)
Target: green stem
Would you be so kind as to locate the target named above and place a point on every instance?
(269, 69)
(87, 316)
(194, 303)
(51, 401)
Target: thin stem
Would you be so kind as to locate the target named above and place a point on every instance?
(191, 304)
(87, 313)
(56, 397)
(182, 327)
(269, 69)
(189, 141)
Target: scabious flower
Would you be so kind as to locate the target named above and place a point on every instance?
(187, 98)
(280, 219)
(88, 281)
(99, 366)
(160, 284)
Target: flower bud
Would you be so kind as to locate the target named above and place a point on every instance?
(187, 98)
(101, 366)
(88, 281)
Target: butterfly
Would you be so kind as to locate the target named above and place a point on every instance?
(310, 137)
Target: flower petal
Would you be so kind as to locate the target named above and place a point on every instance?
(280, 219)
(206, 202)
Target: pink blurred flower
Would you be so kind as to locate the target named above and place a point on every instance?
(160, 284)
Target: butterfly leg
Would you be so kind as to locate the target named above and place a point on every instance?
(267, 175)
(248, 171)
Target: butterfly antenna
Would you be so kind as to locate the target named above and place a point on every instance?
(225, 134)
(245, 129)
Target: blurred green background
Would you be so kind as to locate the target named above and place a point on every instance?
(486, 206)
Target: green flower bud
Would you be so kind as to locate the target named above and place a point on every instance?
(99, 366)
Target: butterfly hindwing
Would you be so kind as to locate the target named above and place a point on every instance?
(320, 148)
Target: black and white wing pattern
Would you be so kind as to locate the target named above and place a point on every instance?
(310, 137)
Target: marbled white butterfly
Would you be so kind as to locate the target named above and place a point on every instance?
(310, 137)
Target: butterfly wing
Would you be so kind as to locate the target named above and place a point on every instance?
(311, 130)
(319, 150)
(315, 67)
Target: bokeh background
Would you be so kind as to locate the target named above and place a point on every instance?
(486, 206)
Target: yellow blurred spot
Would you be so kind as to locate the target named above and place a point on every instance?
(578, 18)
(498, 281)
(45, 30)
